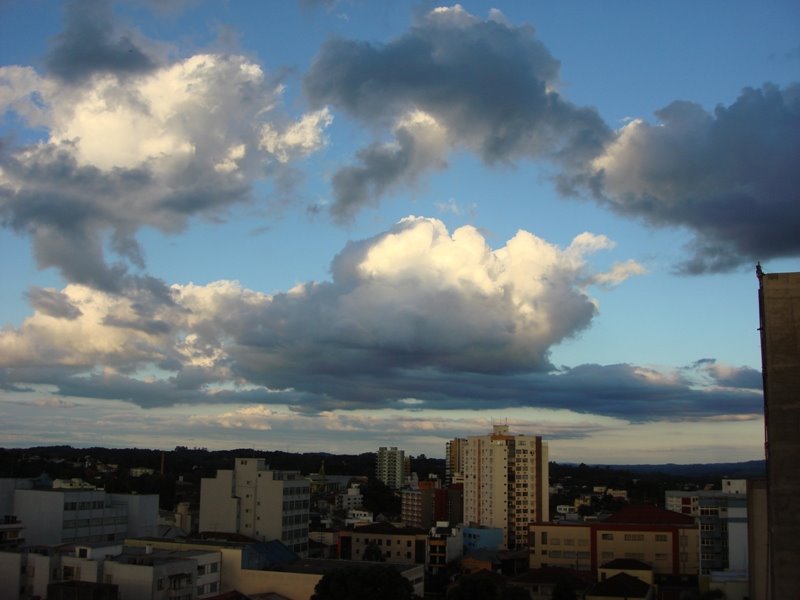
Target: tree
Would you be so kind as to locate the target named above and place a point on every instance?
(373, 553)
(485, 585)
(373, 582)
(564, 590)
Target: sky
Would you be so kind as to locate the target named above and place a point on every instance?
(334, 225)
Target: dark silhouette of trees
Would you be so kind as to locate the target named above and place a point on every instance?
(373, 553)
(373, 582)
(485, 585)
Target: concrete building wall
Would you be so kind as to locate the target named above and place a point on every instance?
(54, 517)
(489, 538)
(11, 575)
(757, 546)
(584, 547)
(219, 508)
(258, 502)
(42, 513)
(142, 511)
(779, 303)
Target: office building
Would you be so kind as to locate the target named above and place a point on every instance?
(253, 500)
(779, 311)
(506, 483)
(60, 516)
(390, 467)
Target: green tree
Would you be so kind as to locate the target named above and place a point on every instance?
(373, 582)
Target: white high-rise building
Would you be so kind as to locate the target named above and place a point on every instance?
(257, 502)
(506, 483)
(390, 467)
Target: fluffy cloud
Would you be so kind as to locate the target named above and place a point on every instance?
(136, 146)
(490, 87)
(729, 176)
(415, 317)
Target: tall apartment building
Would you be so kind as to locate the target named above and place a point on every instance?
(779, 311)
(390, 467)
(453, 458)
(255, 501)
(506, 483)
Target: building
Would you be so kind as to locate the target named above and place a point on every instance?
(10, 532)
(164, 574)
(351, 498)
(89, 570)
(61, 516)
(425, 505)
(722, 516)
(480, 537)
(399, 545)
(757, 542)
(506, 483)
(253, 500)
(779, 312)
(265, 568)
(666, 540)
(453, 459)
(445, 544)
(390, 467)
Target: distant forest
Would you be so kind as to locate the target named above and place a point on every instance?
(18, 462)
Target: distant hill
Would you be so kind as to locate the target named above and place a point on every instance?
(738, 470)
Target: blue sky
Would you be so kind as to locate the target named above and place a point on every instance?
(334, 225)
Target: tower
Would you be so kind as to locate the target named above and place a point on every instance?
(390, 467)
(506, 483)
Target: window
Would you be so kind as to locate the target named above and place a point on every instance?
(607, 536)
(634, 537)
(661, 537)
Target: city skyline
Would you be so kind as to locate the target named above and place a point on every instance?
(338, 225)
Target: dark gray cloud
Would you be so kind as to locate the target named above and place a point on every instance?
(622, 391)
(68, 210)
(489, 84)
(92, 43)
(52, 303)
(729, 176)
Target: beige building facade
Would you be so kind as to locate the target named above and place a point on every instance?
(253, 500)
(667, 541)
(506, 483)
